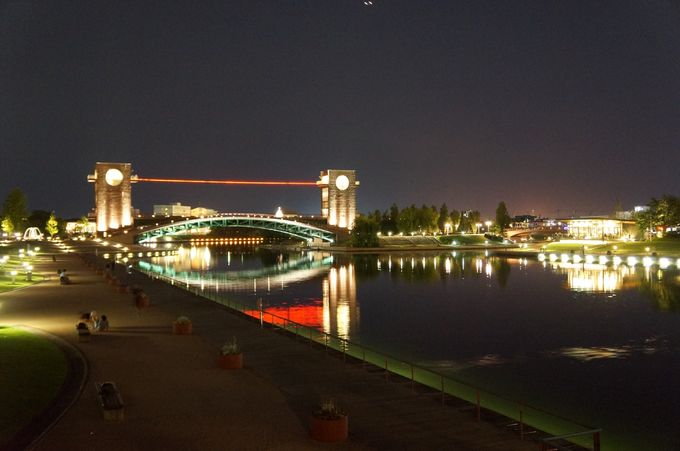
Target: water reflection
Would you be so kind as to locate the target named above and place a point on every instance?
(335, 308)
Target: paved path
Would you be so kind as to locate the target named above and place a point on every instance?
(177, 398)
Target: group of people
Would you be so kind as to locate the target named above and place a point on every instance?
(96, 322)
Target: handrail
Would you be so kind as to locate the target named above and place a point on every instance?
(540, 419)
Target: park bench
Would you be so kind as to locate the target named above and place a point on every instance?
(110, 401)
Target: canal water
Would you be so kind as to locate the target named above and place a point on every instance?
(598, 344)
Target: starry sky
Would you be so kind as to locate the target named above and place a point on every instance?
(555, 107)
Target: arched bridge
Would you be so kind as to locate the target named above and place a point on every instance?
(292, 228)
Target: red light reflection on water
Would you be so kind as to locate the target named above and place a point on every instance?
(306, 315)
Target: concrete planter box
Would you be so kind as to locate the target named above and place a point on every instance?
(181, 328)
(329, 430)
(230, 361)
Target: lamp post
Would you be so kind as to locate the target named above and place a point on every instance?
(488, 225)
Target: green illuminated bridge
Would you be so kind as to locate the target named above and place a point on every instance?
(296, 229)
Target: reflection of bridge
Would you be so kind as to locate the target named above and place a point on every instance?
(291, 272)
(293, 228)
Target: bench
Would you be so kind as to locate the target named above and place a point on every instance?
(110, 401)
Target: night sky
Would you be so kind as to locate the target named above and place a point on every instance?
(555, 107)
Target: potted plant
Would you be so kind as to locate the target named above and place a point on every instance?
(181, 326)
(231, 356)
(329, 423)
(141, 298)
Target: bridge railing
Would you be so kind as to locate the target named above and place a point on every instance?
(527, 420)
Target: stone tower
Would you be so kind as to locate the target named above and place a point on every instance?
(338, 197)
(112, 194)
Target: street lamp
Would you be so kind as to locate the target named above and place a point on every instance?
(488, 225)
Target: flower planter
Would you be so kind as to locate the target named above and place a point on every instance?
(230, 361)
(141, 300)
(181, 328)
(329, 429)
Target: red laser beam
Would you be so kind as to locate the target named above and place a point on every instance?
(228, 182)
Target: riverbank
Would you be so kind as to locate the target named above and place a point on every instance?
(177, 398)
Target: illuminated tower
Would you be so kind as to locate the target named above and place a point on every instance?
(112, 194)
(338, 197)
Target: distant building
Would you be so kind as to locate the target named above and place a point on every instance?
(600, 227)
(202, 212)
(76, 227)
(176, 209)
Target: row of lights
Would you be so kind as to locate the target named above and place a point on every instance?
(202, 241)
(140, 254)
(663, 262)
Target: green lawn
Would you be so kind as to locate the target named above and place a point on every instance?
(33, 370)
(662, 246)
(467, 240)
(14, 264)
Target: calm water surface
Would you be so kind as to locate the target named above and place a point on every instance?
(598, 344)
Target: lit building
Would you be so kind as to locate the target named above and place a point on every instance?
(176, 209)
(112, 194)
(600, 228)
(202, 212)
(338, 197)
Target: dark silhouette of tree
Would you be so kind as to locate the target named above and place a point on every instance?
(14, 209)
(503, 218)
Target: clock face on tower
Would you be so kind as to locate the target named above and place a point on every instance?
(342, 182)
(113, 177)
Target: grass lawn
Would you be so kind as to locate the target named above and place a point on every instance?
(33, 370)
(662, 246)
(14, 264)
(467, 240)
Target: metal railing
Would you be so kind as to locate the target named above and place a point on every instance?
(560, 430)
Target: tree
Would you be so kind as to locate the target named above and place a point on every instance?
(464, 222)
(83, 224)
(7, 225)
(38, 218)
(455, 219)
(51, 225)
(503, 219)
(443, 218)
(667, 211)
(407, 219)
(646, 222)
(14, 208)
(365, 232)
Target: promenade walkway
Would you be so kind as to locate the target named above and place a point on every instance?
(177, 398)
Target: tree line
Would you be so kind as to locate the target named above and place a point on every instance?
(16, 218)
(660, 214)
(424, 219)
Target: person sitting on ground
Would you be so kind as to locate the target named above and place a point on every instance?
(104, 323)
(94, 320)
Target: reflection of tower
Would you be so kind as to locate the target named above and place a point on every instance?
(338, 197)
(112, 194)
(340, 311)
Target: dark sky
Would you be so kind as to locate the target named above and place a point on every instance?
(557, 107)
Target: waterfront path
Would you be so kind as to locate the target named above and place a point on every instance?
(177, 398)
